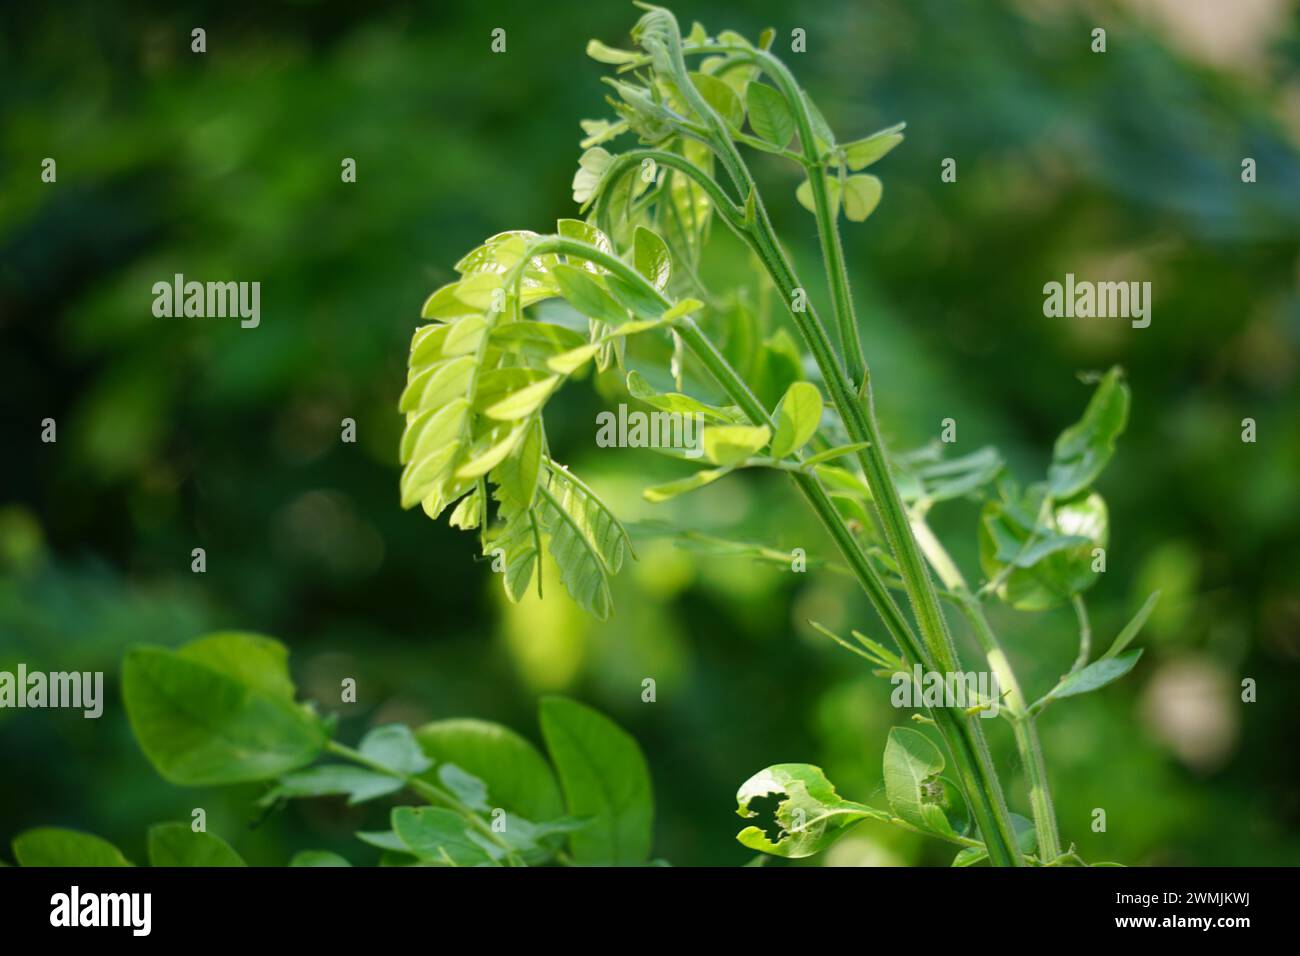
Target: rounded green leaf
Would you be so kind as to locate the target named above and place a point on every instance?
(518, 778)
(861, 196)
(55, 846)
(317, 858)
(218, 711)
(797, 416)
(732, 444)
(721, 97)
(175, 844)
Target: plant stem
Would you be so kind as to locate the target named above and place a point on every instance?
(855, 409)
(1085, 633)
(1023, 725)
(965, 740)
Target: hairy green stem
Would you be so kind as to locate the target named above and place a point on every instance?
(1023, 725)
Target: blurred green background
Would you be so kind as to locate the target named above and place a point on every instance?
(175, 434)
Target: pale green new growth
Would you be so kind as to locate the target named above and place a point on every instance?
(631, 298)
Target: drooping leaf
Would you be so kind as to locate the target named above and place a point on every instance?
(607, 54)
(176, 844)
(587, 540)
(1083, 450)
(605, 778)
(671, 489)
(201, 717)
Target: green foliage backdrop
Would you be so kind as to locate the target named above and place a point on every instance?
(175, 434)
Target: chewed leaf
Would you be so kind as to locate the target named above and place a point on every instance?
(809, 817)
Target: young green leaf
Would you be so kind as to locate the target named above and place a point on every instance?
(675, 402)
(608, 54)
(861, 196)
(831, 454)
(797, 416)
(586, 294)
(218, 711)
(863, 152)
(732, 444)
(395, 748)
(1125, 637)
(651, 258)
(604, 776)
(671, 489)
(722, 98)
(526, 401)
(1096, 675)
(54, 846)
(805, 195)
(769, 114)
(175, 844)
(1042, 567)
(1083, 450)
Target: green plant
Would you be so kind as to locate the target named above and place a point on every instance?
(497, 345)
(222, 710)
